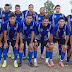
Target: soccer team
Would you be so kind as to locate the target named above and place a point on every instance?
(27, 27)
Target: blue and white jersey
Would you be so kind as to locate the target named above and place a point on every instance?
(19, 17)
(55, 17)
(42, 32)
(1, 28)
(27, 29)
(33, 14)
(60, 33)
(70, 24)
(5, 16)
(11, 30)
(39, 18)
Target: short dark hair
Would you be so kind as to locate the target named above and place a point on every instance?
(31, 5)
(17, 5)
(45, 17)
(57, 6)
(7, 5)
(28, 14)
(61, 18)
(12, 15)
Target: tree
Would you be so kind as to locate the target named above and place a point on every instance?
(49, 6)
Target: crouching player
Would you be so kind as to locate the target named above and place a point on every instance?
(28, 27)
(11, 34)
(1, 45)
(61, 35)
(42, 31)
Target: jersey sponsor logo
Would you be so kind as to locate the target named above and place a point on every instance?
(3, 15)
(39, 18)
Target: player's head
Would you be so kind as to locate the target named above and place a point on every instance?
(29, 18)
(31, 7)
(17, 8)
(45, 21)
(42, 10)
(57, 8)
(12, 18)
(61, 21)
(7, 7)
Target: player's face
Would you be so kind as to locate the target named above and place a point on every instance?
(57, 9)
(7, 8)
(17, 9)
(31, 8)
(12, 20)
(45, 22)
(61, 23)
(42, 11)
(28, 19)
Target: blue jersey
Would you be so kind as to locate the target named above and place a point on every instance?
(5, 16)
(60, 33)
(19, 17)
(11, 30)
(27, 29)
(1, 28)
(42, 32)
(39, 18)
(55, 17)
(70, 23)
(33, 14)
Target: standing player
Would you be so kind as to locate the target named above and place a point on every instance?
(1, 45)
(54, 20)
(39, 19)
(28, 28)
(42, 31)
(11, 30)
(61, 31)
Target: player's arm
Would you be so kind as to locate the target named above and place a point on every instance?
(67, 38)
(1, 39)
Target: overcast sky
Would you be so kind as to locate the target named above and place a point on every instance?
(65, 4)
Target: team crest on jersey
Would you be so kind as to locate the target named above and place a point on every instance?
(41, 30)
(25, 28)
(3, 15)
(39, 18)
(71, 19)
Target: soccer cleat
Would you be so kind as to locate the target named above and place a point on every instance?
(30, 64)
(0, 64)
(59, 57)
(35, 64)
(24, 57)
(27, 57)
(15, 65)
(4, 64)
(9, 55)
(61, 64)
(12, 57)
(51, 63)
(19, 64)
(42, 57)
(18, 56)
(2, 55)
(47, 64)
(66, 65)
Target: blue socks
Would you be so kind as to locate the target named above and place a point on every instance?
(35, 54)
(51, 54)
(47, 54)
(30, 55)
(42, 48)
(5, 53)
(24, 50)
(0, 52)
(62, 56)
(60, 50)
(15, 53)
(68, 50)
(68, 59)
(20, 56)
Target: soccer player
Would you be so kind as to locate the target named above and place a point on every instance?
(31, 11)
(39, 19)
(4, 15)
(1, 44)
(61, 31)
(42, 31)
(18, 13)
(28, 27)
(11, 29)
(54, 20)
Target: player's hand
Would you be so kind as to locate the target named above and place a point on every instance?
(0, 44)
(65, 46)
(16, 45)
(5, 45)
